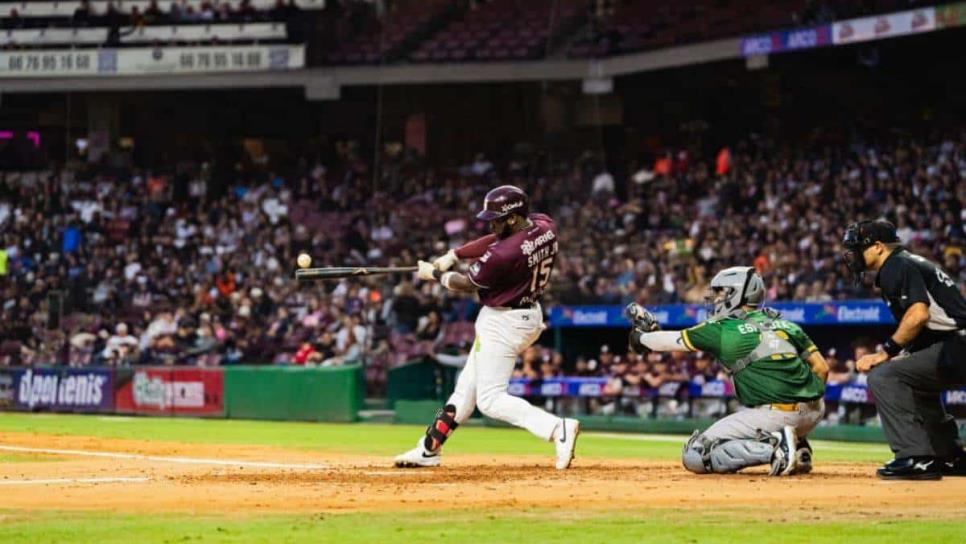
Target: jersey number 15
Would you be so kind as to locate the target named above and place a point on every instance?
(541, 276)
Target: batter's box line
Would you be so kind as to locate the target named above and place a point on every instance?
(165, 459)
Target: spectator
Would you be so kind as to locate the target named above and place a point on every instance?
(278, 11)
(13, 20)
(429, 326)
(138, 20)
(246, 12)
(153, 13)
(206, 12)
(840, 371)
(84, 14)
(121, 347)
(603, 185)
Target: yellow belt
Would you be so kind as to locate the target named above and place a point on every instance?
(793, 406)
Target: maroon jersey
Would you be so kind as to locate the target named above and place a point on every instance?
(515, 271)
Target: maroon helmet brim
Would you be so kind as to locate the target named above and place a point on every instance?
(488, 215)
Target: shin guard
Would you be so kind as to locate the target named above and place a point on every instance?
(443, 426)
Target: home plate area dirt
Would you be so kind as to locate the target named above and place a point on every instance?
(78, 473)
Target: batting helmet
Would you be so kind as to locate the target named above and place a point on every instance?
(503, 201)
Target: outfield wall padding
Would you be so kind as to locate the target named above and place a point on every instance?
(294, 393)
(420, 379)
(415, 412)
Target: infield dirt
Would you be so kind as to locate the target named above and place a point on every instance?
(355, 483)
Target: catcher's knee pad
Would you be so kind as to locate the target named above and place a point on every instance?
(734, 455)
(696, 454)
(443, 426)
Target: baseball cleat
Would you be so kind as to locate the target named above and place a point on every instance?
(911, 468)
(803, 457)
(955, 466)
(566, 442)
(418, 457)
(784, 462)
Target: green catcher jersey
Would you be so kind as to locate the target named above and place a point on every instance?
(775, 373)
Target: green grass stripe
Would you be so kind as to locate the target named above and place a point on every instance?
(529, 526)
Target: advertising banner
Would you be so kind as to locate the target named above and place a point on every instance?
(786, 40)
(8, 389)
(847, 393)
(843, 312)
(951, 16)
(180, 391)
(150, 60)
(594, 387)
(880, 27)
(59, 389)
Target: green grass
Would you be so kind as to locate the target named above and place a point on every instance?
(455, 526)
(375, 439)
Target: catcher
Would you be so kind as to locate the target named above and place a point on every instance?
(778, 373)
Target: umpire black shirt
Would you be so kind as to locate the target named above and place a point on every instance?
(906, 279)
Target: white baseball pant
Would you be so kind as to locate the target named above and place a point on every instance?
(501, 335)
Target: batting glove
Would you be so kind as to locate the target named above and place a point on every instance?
(447, 261)
(426, 271)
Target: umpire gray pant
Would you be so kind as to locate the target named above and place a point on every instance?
(907, 393)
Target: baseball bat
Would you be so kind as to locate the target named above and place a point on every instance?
(316, 274)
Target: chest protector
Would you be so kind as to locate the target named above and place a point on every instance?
(770, 345)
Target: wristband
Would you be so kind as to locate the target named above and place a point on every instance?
(445, 279)
(891, 348)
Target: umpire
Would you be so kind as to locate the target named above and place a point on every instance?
(924, 356)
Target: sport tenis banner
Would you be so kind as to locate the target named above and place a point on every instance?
(60, 389)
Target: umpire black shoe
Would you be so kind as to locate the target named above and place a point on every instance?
(955, 466)
(912, 468)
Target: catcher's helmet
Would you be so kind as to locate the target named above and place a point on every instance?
(733, 288)
(503, 201)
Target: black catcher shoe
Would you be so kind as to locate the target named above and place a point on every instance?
(955, 466)
(912, 468)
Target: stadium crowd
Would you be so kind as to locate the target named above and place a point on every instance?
(159, 269)
(118, 14)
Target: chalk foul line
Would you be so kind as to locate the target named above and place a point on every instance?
(50, 481)
(166, 459)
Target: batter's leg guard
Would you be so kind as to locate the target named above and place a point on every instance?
(443, 426)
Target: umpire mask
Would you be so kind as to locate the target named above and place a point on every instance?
(861, 236)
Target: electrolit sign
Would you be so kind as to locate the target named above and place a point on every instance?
(861, 314)
(795, 314)
(585, 318)
(677, 316)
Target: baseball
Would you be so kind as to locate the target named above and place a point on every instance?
(304, 261)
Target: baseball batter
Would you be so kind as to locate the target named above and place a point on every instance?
(779, 377)
(512, 270)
